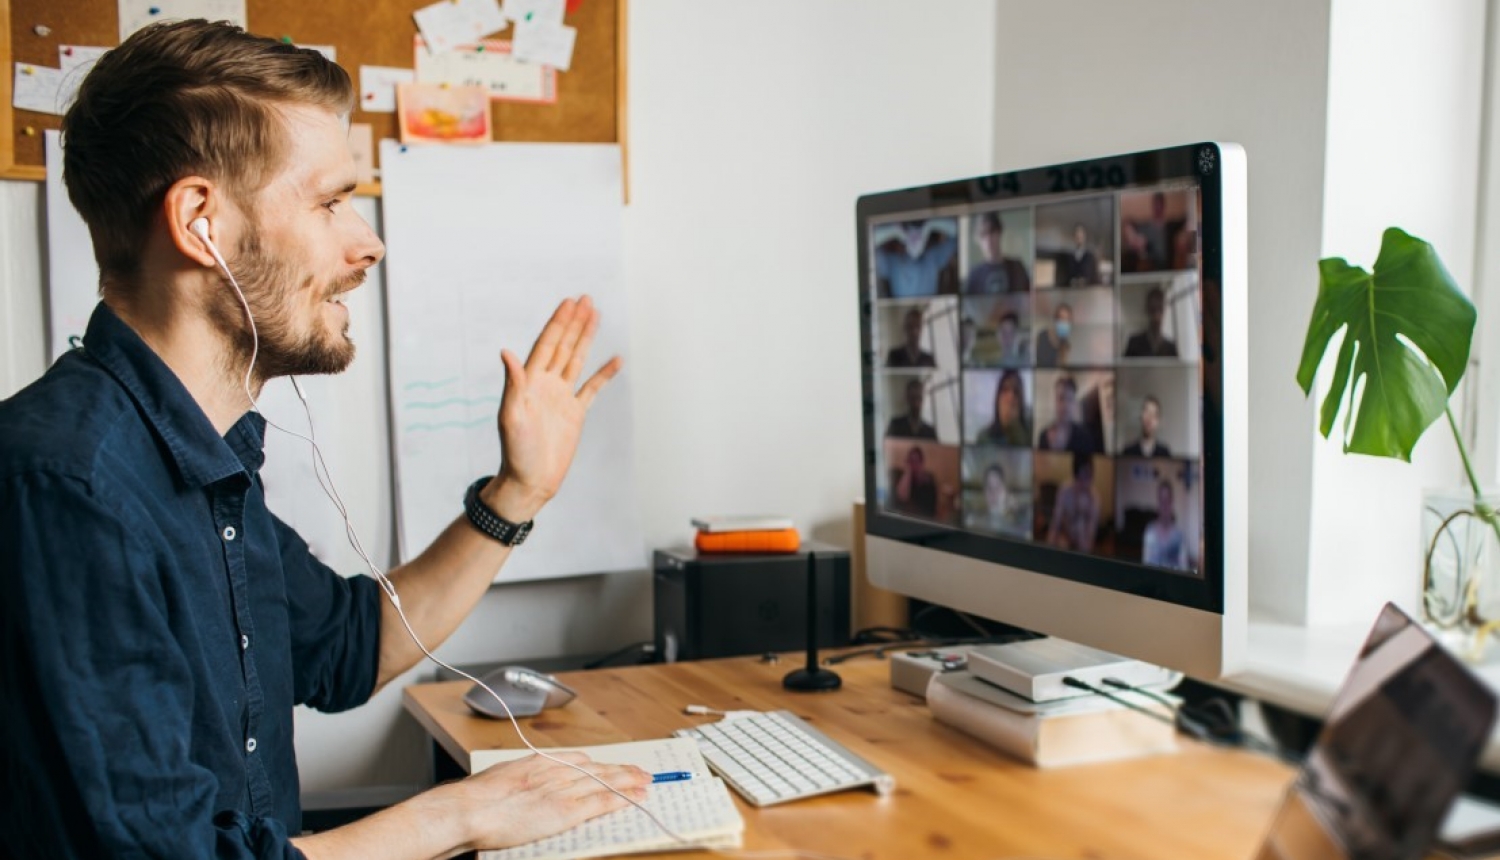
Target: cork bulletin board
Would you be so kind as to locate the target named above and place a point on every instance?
(590, 106)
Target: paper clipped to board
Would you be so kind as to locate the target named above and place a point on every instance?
(698, 809)
(377, 87)
(40, 89)
(489, 64)
(545, 44)
(536, 11)
(447, 24)
(135, 14)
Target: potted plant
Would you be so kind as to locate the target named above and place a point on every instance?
(1407, 330)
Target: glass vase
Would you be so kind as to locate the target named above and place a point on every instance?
(1461, 569)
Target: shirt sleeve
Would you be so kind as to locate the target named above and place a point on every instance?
(97, 742)
(335, 628)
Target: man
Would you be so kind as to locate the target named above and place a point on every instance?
(996, 273)
(1065, 433)
(911, 425)
(1014, 345)
(1079, 267)
(1053, 345)
(923, 262)
(1075, 513)
(160, 623)
(909, 352)
(1148, 445)
(1151, 343)
(916, 487)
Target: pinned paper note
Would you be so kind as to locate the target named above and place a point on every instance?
(38, 88)
(544, 44)
(433, 113)
(362, 147)
(135, 14)
(71, 57)
(490, 65)
(377, 87)
(535, 11)
(447, 24)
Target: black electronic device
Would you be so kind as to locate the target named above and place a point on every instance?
(732, 604)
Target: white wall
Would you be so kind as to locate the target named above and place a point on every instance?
(1405, 82)
(1075, 80)
(752, 130)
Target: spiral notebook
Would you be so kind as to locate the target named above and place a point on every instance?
(699, 809)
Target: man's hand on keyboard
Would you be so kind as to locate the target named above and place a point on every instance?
(531, 798)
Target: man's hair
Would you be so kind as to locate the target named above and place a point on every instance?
(1150, 400)
(178, 99)
(991, 222)
(1068, 381)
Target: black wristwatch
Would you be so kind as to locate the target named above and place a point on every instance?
(489, 522)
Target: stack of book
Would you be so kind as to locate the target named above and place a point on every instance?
(1012, 697)
(746, 534)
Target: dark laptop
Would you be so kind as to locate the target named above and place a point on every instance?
(1397, 747)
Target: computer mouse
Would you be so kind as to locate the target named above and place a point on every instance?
(525, 691)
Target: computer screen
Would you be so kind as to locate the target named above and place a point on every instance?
(1053, 398)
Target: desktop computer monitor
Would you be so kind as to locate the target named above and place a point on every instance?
(1055, 431)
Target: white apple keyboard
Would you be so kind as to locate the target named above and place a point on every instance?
(772, 757)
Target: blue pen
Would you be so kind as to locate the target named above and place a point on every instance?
(671, 776)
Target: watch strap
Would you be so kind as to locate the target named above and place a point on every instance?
(490, 523)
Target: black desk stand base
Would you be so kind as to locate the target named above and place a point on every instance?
(812, 678)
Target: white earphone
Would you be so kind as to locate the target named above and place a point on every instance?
(199, 227)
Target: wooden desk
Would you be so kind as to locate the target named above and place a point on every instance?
(955, 797)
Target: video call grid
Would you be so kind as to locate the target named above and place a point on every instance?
(988, 299)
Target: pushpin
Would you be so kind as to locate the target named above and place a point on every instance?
(479, 49)
(445, 85)
(154, 10)
(403, 146)
(27, 70)
(42, 30)
(68, 51)
(369, 97)
(30, 131)
(286, 40)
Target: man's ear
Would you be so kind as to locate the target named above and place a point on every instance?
(187, 200)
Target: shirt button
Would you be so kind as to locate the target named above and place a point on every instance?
(244, 642)
(250, 745)
(229, 533)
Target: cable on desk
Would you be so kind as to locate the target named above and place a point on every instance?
(1192, 721)
(646, 648)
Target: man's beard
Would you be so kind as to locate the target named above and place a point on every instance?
(271, 291)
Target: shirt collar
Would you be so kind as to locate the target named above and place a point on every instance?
(201, 456)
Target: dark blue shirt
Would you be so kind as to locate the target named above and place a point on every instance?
(159, 623)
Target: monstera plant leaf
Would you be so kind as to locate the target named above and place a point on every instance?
(1411, 298)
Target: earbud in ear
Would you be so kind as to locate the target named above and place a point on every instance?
(199, 227)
